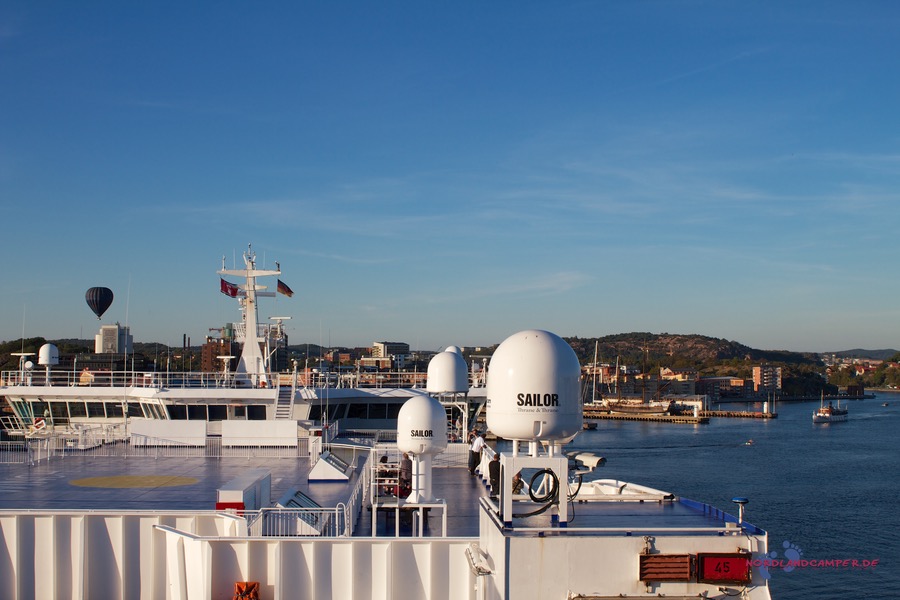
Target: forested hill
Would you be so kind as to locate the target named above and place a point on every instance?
(886, 354)
(677, 350)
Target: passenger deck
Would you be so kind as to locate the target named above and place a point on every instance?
(142, 527)
(85, 482)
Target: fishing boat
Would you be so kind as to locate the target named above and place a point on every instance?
(338, 521)
(830, 413)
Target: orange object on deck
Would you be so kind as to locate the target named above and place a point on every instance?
(246, 590)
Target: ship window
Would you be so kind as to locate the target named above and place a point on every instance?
(95, 409)
(218, 413)
(378, 411)
(336, 411)
(256, 412)
(58, 410)
(197, 412)
(394, 410)
(177, 412)
(315, 413)
(356, 411)
(77, 409)
(19, 407)
(240, 412)
(134, 409)
(113, 409)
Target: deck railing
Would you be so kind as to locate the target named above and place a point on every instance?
(217, 379)
(313, 522)
(101, 442)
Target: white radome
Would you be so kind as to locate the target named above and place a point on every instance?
(447, 373)
(422, 426)
(533, 388)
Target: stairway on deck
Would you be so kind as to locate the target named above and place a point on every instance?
(284, 404)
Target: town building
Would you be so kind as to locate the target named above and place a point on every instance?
(113, 339)
(767, 380)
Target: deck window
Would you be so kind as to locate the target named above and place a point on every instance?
(378, 411)
(217, 412)
(95, 409)
(58, 410)
(256, 412)
(177, 412)
(113, 409)
(197, 412)
(77, 409)
(134, 409)
(336, 411)
(357, 411)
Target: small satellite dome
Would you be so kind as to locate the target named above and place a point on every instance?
(422, 426)
(533, 388)
(48, 355)
(454, 350)
(447, 373)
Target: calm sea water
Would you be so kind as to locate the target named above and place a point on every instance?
(827, 491)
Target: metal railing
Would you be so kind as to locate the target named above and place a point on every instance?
(102, 442)
(337, 521)
(312, 522)
(15, 453)
(216, 379)
(146, 379)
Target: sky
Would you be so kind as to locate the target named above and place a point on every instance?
(455, 172)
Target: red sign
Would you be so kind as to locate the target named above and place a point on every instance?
(723, 568)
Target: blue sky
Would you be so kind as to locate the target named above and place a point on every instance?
(452, 173)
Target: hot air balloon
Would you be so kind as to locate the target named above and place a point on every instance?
(99, 299)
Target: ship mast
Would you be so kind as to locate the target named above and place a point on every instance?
(251, 367)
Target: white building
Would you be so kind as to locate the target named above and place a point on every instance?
(113, 339)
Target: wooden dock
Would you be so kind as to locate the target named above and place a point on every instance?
(737, 414)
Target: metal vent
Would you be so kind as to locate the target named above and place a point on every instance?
(665, 567)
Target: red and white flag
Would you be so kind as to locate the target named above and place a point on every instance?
(229, 289)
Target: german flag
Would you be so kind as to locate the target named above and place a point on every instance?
(284, 289)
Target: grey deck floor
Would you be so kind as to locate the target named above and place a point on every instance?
(58, 485)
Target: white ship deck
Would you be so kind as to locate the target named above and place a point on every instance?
(154, 518)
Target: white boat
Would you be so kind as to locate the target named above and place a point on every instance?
(48, 396)
(830, 413)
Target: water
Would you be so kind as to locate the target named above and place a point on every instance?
(826, 491)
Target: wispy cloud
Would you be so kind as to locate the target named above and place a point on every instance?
(713, 66)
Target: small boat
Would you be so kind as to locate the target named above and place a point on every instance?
(640, 407)
(830, 413)
(589, 425)
(748, 443)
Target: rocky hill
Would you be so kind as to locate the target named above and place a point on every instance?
(668, 349)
